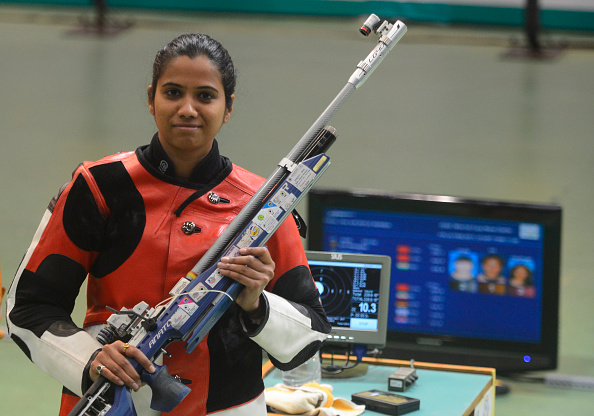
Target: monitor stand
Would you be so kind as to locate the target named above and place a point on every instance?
(340, 368)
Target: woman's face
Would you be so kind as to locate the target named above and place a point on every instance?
(520, 273)
(492, 268)
(189, 106)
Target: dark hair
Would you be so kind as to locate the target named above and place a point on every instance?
(494, 257)
(463, 258)
(528, 281)
(193, 45)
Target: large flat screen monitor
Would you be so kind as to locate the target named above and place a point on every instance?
(473, 282)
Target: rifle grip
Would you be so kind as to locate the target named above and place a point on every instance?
(168, 392)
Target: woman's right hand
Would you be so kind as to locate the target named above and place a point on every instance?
(111, 363)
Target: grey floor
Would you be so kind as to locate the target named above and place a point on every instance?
(444, 114)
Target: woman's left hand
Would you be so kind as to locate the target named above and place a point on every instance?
(254, 268)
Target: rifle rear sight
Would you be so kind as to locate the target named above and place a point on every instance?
(122, 323)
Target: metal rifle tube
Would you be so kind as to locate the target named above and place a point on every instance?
(323, 141)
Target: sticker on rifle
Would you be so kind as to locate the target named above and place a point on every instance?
(320, 163)
(198, 292)
(267, 218)
(185, 300)
(246, 239)
(281, 195)
(301, 177)
(254, 231)
(188, 305)
(284, 197)
(289, 202)
(214, 278)
(233, 251)
(249, 236)
(178, 319)
(179, 287)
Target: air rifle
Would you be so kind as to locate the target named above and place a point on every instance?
(200, 298)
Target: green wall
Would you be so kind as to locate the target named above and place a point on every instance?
(428, 12)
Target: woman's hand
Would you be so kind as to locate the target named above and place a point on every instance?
(254, 268)
(111, 363)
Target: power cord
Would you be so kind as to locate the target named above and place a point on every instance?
(358, 351)
(333, 369)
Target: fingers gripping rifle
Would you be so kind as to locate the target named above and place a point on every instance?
(201, 297)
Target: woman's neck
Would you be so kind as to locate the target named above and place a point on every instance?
(185, 164)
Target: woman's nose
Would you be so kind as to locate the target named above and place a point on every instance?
(187, 108)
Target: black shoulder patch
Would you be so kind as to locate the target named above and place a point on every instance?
(126, 223)
(82, 220)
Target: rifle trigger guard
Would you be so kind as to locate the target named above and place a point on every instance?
(287, 164)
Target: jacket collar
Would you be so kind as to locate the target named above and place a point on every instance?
(204, 173)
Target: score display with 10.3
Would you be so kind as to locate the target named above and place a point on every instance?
(365, 308)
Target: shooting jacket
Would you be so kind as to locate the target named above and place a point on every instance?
(132, 230)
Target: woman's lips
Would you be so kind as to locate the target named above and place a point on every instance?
(188, 127)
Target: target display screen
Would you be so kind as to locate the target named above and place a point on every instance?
(353, 290)
(349, 292)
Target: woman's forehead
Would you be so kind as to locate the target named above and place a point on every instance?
(186, 69)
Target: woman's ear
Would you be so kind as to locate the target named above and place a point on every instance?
(229, 110)
(151, 100)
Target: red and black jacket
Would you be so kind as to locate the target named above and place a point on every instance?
(129, 228)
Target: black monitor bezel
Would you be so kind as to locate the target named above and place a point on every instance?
(505, 356)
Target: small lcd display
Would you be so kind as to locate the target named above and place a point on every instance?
(350, 289)
(349, 292)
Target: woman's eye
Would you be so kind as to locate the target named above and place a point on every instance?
(205, 96)
(172, 93)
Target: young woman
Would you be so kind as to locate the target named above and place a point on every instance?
(133, 223)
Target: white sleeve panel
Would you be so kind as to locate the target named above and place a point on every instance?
(287, 331)
(63, 358)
